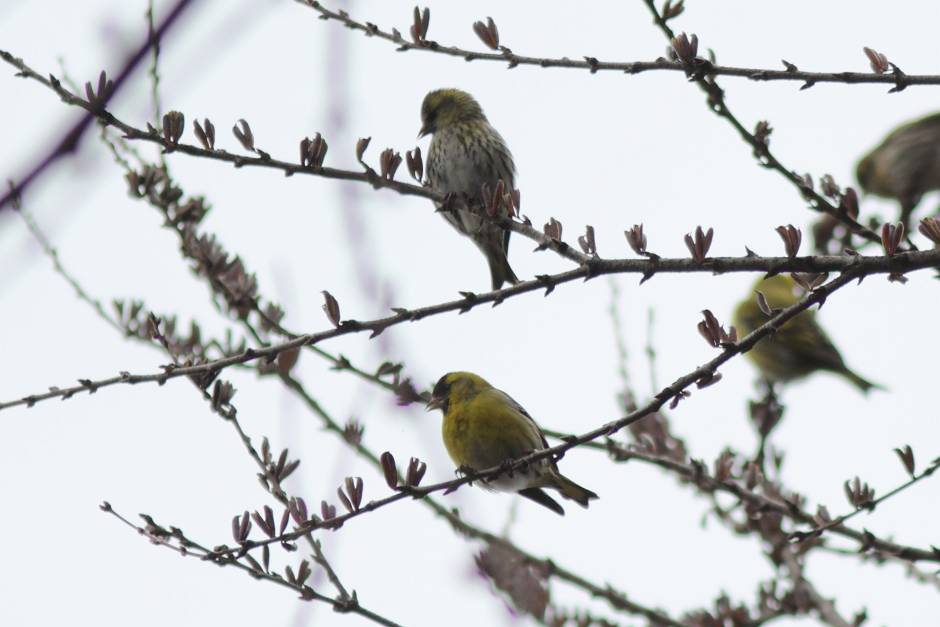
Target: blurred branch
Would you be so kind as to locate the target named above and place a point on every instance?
(593, 65)
(930, 578)
(69, 142)
(53, 255)
(825, 607)
(154, 73)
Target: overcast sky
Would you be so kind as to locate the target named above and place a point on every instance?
(609, 150)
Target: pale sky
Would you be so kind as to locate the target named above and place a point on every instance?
(609, 150)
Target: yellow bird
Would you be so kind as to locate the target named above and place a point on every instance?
(484, 427)
(800, 347)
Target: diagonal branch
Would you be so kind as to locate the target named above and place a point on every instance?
(175, 540)
(70, 141)
(703, 375)
(700, 72)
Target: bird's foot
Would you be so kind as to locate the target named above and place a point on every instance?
(463, 470)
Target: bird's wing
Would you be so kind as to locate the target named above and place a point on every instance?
(806, 338)
(536, 431)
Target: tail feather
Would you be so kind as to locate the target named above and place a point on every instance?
(500, 272)
(539, 496)
(860, 382)
(571, 490)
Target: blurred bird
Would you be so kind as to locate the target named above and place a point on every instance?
(800, 347)
(466, 153)
(906, 165)
(483, 428)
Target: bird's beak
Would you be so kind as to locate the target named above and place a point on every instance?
(434, 403)
(423, 132)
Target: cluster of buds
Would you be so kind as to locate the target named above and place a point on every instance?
(792, 237)
(313, 151)
(699, 244)
(714, 333)
(413, 476)
(488, 33)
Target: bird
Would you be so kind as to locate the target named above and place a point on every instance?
(484, 427)
(799, 347)
(465, 154)
(905, 165)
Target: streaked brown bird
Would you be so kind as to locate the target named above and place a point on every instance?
(466, 153)
(905, 165)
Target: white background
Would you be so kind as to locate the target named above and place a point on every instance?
(608, 150)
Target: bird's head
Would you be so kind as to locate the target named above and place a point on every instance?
(456, 387)
(865, 172)
(444, 107)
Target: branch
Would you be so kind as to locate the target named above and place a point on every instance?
(700, 72)
(825, 607)
(615, 598)
(696, 473)
(271, 474)
(856, 267)
(68, 143)
(703, 375)
(648, 267)
(346, 601)
(593, 65)
(868, 540)
(175, 540)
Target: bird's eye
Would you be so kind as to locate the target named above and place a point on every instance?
(441, 388)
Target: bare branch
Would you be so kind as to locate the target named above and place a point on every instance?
(593, 65)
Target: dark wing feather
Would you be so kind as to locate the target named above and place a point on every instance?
(539, 496)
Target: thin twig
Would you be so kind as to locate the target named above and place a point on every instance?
(154, 74)
(53, 255)
(826, 608)
(174, 540)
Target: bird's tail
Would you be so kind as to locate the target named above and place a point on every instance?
(539, 496)
(500, 272)
(860, 382)
(571, 490)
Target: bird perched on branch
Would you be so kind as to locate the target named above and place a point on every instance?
(799, 347)
(467, 153)
(484, 428)
(905, 165)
